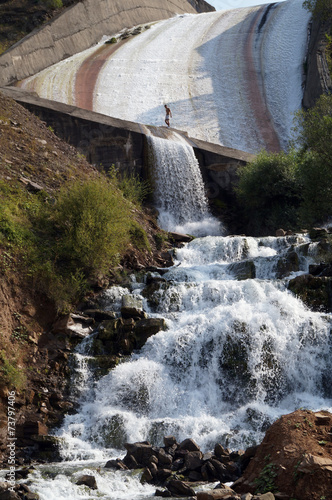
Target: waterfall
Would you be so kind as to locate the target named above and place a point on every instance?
(237, 354)
(178, 187)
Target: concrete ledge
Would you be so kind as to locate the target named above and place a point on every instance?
(80, 27)
(105, 141)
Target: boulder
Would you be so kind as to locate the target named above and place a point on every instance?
(141, 452)
(145, 328)
(170, 441)
(99, 315)
(189, 445)
(287, 264)
(132, 307)
(193, 460)
(314, 291)
(87, 480)
(9, 495)
(180, 488)
(317, 233)
(224, 493)
(243, 270)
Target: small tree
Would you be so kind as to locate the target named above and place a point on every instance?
(269, 192)
(322, 8)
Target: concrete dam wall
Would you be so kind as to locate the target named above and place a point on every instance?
(81, 26)
(106, 141)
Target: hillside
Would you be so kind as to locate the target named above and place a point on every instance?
(35, 165)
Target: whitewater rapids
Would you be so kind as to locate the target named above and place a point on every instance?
(231, 77)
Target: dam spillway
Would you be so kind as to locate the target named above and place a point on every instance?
(232, 77)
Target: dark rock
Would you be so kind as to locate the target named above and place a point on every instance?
(287, 264)
(170, 441)
(177, 464)
(164, 458)
(280, 232)
(99, 315)
(9, 495)
(317, 233)
(315, 292)
(163, 493)
(189, 445)
(132, 307)
(147, 476)
(195, 476)
(87, 480)
(193, 460)
(130, 462)
(116, 464)
(179, 237)
(180, 488)
(141, 452)
(145, 328)
(36, 428)
(243, 270)
(219, 450)
(163, 474)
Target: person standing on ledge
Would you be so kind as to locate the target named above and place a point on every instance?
(168, 115)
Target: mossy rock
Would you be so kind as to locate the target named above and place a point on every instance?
(287, 264)
(243, 270)
(314, 291)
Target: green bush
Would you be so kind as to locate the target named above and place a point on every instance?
(10, 373)
(321, 8)
(66, 244)
(133, 187)
(269, 192)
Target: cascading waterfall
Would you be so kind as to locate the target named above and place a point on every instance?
(178, 187)
(237, 354)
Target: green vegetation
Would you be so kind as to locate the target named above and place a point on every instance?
(10, 373)
(321, 8)
(292, 190)
(265, 481)
(64, 245)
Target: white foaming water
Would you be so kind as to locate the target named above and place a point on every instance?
(178, 187)
(236, 355)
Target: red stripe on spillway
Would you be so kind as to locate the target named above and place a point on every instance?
(256, 92)
(88, 72)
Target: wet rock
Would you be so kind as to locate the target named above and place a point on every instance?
(315, 292)
(163, 493)
(67, 325)
(170, 441)
(287, 264)
(87, 480)
(243, 270)
(132, 307)
(141, 452)
(99, 315)
(280, 232)
(36, 428)
(317, 233)
(179, 237)
(164, 458)
(9, 495)
(180, 488)
(193, 460)
(147, 476)
(224, 493)
(145, 328)
(189, 445)
(220, 451)
(116, 464)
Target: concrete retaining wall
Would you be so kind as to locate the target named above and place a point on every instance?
(81, 26)
(105, 141)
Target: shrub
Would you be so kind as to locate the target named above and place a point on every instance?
(321, 8)
(269, 192)
(11, 374)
